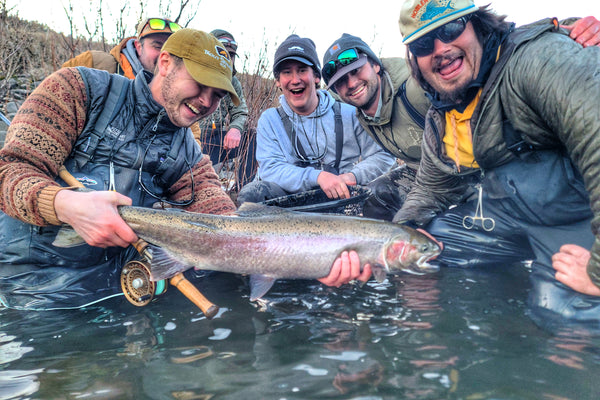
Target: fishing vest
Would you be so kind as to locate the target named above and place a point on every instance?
(124, 127)
(125, 141)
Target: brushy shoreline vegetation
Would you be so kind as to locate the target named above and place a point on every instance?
(30, 51)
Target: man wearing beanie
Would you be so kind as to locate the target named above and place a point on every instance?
(512, 124)
(112, 134)
(134, 53)
(301, 147)
(391, 108)
(297, 146)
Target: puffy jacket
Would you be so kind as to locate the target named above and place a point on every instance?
(396, 130)
(122, 59)
(60, 119)
(547, 86)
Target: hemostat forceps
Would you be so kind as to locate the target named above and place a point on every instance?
(487, 224)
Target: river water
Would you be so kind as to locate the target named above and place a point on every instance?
(456, 334)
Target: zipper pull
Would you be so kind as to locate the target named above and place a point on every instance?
(111, 184)
(158, 118)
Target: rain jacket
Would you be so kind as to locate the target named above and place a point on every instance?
(279, 162)
(544, 85)
(122, 59)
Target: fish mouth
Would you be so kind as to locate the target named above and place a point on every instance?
(422, 266)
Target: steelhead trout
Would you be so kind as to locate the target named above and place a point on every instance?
(270, 243)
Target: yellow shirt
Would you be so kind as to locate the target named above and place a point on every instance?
(458, 139)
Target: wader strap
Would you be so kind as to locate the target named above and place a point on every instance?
(339, 134)
(112, 105)
(416, 116)
(291, 132)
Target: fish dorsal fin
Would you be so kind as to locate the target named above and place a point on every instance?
(260, 285)
(164, 265)
(256, 209)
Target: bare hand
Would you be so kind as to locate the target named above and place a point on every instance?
(345, 269)
(232, 139)
(585, 31)
(570, 264)
(336, 186)
(95, 217)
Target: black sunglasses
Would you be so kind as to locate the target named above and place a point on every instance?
(447, 33)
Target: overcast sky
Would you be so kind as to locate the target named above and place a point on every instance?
(258, 24)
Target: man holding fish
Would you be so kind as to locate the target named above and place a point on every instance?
(128, 142)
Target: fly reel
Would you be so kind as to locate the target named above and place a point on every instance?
(136, 284)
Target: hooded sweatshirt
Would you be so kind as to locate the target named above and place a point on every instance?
(278, 157)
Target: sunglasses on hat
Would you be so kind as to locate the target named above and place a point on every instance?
(447, 33)
(158, 24)
(346, 57)
(228, 42)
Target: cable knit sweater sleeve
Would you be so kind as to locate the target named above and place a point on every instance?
(38, 141)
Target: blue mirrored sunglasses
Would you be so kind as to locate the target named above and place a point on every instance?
(346, 57)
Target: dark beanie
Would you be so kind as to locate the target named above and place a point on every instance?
(299, 49)
(344, 43)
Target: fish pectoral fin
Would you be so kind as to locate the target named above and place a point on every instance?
(163, 265)
(260, 285)
(66, 237)
(379, 273)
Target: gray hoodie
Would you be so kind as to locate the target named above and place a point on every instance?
(278, 158)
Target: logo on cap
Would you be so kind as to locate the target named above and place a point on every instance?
(296, 48)
(432, 9)
(334, 48)
(222, 52)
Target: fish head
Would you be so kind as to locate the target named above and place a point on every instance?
(411, 254)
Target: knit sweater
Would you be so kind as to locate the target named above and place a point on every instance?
(40, 138)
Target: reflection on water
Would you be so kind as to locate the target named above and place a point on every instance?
(453, 335)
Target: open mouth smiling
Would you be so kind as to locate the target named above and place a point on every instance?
(192, 108)
(449, 65)
(357, 92)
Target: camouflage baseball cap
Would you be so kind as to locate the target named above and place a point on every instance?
(205, 59)
(419, 17)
